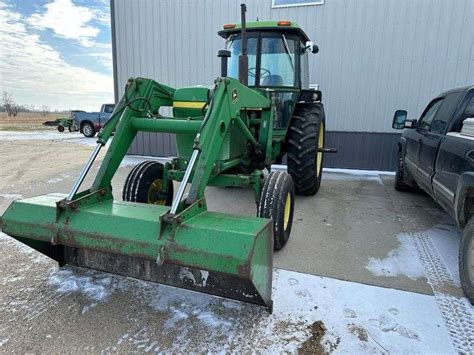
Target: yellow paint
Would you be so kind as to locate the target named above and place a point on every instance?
(155, 189)
(188, 104)
(286, 218)
(319, 155)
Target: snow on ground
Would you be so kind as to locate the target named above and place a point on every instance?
(401, 261)
(66, 137)
(433, 254)
(132, 160)
(11, 196)
(336, 315)
(355, 318)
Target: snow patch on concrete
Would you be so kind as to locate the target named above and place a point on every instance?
(76, 138)
(356, 172)
(132, 160)
(54, 181)
(11, 196)
(402, 261)
(3, 340)
(94, 286)
(360, 319)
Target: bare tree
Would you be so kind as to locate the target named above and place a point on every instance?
(44, 110)
(9, 103)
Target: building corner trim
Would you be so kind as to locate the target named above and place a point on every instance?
(114, 49)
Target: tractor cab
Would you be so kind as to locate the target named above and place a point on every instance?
(277, 53)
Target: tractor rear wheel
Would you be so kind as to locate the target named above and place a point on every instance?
(305, 136)
(277, 202)
(145, 184)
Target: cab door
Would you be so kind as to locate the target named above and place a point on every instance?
(414, 145)
(455, 155)
(432, 136)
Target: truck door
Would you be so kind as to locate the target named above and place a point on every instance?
(105, 114)
(455, 155)
(422, 131)
(432, 135)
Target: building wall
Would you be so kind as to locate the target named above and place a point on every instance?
(375, 57)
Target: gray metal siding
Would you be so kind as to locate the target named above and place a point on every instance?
(375, 56)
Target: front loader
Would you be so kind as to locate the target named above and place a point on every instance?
(259, 109)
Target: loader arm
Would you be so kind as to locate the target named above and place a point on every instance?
(228, 255)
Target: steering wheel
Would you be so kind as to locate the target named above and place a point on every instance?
(263, 72)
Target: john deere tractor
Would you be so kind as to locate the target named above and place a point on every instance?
(259, 110)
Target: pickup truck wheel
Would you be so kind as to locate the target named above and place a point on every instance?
(400, 174)
(466, 260)
(88, 130)
(305, 136)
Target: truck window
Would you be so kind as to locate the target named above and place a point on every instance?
(109, 108)
(468, 111)
(427, 117)
(445, 113)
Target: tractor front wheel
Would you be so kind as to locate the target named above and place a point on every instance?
(60, 128)
(145, 184)
(277, 202)
(305, 143)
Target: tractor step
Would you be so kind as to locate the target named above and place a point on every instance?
(216, 253)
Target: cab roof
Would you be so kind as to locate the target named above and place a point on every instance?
(260, 26)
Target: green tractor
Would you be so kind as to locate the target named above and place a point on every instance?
(260, 108)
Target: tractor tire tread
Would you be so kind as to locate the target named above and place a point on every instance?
(272, 205)
(302, 148)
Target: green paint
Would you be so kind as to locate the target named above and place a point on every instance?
(236, 138)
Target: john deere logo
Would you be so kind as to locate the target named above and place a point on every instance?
(234, 95)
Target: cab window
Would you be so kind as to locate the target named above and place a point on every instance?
(109, 108)
(235, 47)
(426, 118)
(277, 67)
(467, 112)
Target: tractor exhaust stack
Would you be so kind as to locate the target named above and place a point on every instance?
(243, 58)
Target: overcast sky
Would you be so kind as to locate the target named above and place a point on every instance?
(56, 53)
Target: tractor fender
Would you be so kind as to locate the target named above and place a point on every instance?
(464, 199)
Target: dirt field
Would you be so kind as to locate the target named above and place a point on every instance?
(367, 270)
(27, 121)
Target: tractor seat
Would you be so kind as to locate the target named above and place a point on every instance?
(273, 80)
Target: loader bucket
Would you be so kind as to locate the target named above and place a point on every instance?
(216, 253)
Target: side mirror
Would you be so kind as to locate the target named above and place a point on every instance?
(399, 119)
(309, 45)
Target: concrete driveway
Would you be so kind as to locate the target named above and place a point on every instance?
(367, 269)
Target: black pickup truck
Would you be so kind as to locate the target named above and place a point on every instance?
(436, 153)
